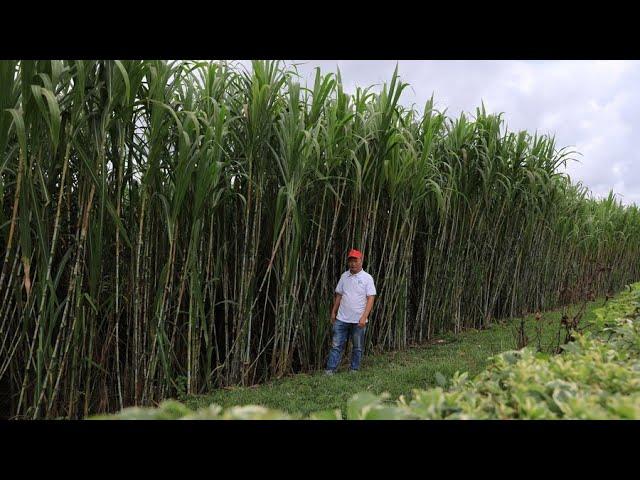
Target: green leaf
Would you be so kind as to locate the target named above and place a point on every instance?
(18, 123)
(127, 85)
(326, 415)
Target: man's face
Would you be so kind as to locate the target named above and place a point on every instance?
(355, 264)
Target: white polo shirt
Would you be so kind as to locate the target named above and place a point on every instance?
(354, 289)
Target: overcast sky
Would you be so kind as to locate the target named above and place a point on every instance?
(591, 106)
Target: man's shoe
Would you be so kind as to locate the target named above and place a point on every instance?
(329, 372)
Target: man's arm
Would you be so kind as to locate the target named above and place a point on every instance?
(367, 310)
(336, 304)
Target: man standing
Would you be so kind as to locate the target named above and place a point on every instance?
(353, 303)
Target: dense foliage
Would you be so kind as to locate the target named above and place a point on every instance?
(183, 224)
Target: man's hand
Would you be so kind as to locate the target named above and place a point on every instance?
(334, 309)
(363, 319)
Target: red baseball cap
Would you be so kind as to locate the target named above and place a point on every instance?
(354, 253)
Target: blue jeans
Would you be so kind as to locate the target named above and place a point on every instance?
(341, 332)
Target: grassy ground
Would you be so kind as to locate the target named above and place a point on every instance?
(394, 372)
